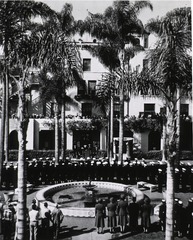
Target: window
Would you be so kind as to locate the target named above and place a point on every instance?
(116, 109)
(86, 64)
(149, 109)
(80, 90)
(184, 109)
(86, 109)
(163, 110)
(145, 63)
(92, 88)
(145, 41)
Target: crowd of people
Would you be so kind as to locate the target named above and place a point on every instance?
(123, 215)
(183, 217)
(45, 171)
(41, 221)
(120, 214)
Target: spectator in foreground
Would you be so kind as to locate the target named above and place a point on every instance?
(100, 215)
(133, 215)
(112, 219)
(56, 218)
(122, 211)
(45, 220)
(33, 225)
(145, 215)
(8, 221)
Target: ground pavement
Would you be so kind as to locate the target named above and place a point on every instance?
(84, 228)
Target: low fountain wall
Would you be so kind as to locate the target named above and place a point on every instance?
(44, 193)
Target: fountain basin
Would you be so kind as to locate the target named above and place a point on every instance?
(47, 193)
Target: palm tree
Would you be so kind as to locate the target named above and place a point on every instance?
(170, 70)
(18, 56)
(13, 15)
(119, 25)
(22, 57)
(62, 61)
(105, 92)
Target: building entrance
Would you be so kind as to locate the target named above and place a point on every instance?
(86, 143)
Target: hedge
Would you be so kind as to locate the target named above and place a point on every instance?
(154, 154)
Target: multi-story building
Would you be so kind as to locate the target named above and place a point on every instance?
(85, 133)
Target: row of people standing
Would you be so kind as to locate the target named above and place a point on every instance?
(40, 172)
(42, 221)
(183, 217)
(123, 214)
(46, 216)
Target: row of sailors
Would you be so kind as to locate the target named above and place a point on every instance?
(183, 217)
(47, 172)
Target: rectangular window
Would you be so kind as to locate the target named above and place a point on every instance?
(149, 109)
(145, 41)
(86, 64)
(163, 110)
(116, 109)
(145, 63)
(87, 109)
(184, 109)
(80, 89)
(92, 88)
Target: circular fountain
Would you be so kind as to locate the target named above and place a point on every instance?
(78, 199)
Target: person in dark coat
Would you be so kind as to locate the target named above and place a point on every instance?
(191, 180)
(189, 212)
(122, 212)
(111, 209)
(180, 219)
(162, 215)
(133, 215)
(100, 215)
(56, 218)
(145, 215)
(160, 179)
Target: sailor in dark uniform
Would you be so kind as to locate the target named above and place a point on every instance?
(162, 215)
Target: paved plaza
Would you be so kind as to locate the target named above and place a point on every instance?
(76, 228)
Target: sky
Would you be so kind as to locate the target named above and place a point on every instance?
(81, 7)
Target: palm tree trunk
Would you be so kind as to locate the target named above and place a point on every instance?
(170, 201)
(171, 156)
(63, 131)
(121, 110)
(111, 131)
(164, 141)
(56, 134)
(22, 129)
(121, 125)
(178, 127)
(108, 135)
(2, 129)
(7, 118)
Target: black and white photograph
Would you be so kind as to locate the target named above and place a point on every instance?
(96, 138)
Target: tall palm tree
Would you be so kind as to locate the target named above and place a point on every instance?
(169, 71)
(119, 25)
(18, 54)
(106, 88)
(22, 57)
(13, 15)
(105, 91)
(63, 62)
